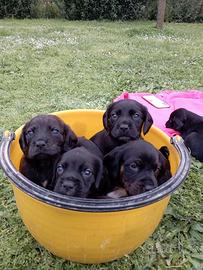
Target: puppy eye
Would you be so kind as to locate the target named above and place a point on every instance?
(114, 116)
(136, 165)
(30, 132)
(59, 169)
(55, 131)
(133, 165)
(135, 115)
(87, 172)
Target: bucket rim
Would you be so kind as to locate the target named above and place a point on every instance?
(94, 205)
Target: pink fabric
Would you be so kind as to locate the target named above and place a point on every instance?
(191, 100)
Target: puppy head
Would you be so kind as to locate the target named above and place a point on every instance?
(177, 120)
(77, 173)
(45, 136)
(136, 165)
(125, 119)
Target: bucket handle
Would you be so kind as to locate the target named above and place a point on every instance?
(177, 141)
(7, 138)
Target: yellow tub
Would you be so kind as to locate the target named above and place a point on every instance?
(89, 230)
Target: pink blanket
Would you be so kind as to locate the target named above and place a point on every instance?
(191, 100)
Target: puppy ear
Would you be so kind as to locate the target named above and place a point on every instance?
(99, 176)
(147, 122)
(105, 120)
(165, 152)
(52, 183)
(112, 162)
(23, 141)
(165, 168)
(70, 139)
(106, 115)
(179, 124)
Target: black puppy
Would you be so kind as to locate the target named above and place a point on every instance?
(123, 121)
(78, 173)
(190, 126)
(42, 140)
(137, 166)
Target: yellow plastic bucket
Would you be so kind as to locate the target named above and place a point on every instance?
(90, 230)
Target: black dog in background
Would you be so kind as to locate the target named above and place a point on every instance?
(137, 167)
(123, 121)
(78, 173)
(190, 126)
(43, 139)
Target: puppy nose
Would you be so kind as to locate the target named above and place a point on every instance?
(68, 185)
(168, 124)
(40, 143)
(124, 127)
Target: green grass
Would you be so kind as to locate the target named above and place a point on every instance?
(51, 65)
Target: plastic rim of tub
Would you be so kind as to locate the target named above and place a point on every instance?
(94, 205)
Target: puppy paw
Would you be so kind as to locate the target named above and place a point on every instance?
(117, 193)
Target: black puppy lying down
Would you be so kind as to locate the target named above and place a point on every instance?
(123, 121)
(190, 126)
(78, 173)
(43, 139)
(137, 167)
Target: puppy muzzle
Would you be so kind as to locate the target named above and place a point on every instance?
(125, 132)
(169, 124)
(67, 186)
(43, 150)
(138, 186)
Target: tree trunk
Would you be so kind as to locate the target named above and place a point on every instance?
(161, 13)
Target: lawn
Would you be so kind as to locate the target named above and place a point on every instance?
(52, 65)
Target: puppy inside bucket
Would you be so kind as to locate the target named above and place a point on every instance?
(46, 142)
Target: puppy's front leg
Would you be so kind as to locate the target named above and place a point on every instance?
(45, 183)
